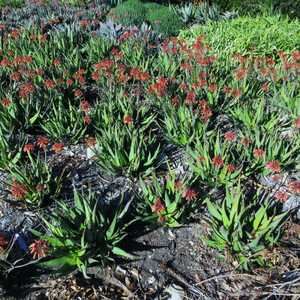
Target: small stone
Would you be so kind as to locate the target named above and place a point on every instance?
(176, 292)
(151, 279)
(92, 151)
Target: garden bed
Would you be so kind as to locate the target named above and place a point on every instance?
(135, 164)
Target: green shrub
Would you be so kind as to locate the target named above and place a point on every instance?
(129, 13)
(12, 3)
(290, 7)
(165, 21)
(246, 35)
(248, 6)
(151, 6)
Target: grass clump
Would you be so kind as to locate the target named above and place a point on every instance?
(254, 36)
(129, 13)
(165, 21)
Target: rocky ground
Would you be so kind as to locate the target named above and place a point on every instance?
(173, 264)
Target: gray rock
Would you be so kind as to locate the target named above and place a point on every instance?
(293, 203)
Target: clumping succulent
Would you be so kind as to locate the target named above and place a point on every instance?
(205, 13)
(186, 12)
(202, 13)
(110, 30)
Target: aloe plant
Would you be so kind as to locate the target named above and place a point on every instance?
(244, 225)
(34, 182)
(169, 200)
(83, 236)
(214, 163)
(127, 140)
(182, 125)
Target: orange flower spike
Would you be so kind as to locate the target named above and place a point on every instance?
(28, 148)
(57, 147)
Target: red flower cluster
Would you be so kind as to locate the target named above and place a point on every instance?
(105, 64)
(190, 194)
(234, 92)
(273, 166)
(294, 186)
(39, 249)
(22, 60)
(159, 88)
(296, 56)
(122, 75)
(186, 66)
(183, 86)
(95, 75)
(78, 93)
(218, 161)
(258, 153)
(3, 242)
(15, 76)
(15, 33)
(87, 120)
(137, 74)
(175, 101)
(201, 159)
(6, 102)
(265, 87)
(213, 87)
(126, 35)
(127, 120)
(178, 185)
(5, 62)
(240, 58)
(18, 190)
(28, 148)
(240, 73)
(85, 106)
(158, 206)
(116, 53)
(69, 82)
(246, 142)
(230, 136)
(190, 98)
(56, 62)
(49, 84)
(79, 76)
(57, 147)
(231, 168)
(297, 123)
(26, 89)
(40, 187)
(42, 142)
(205, 110)
(281, 196)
